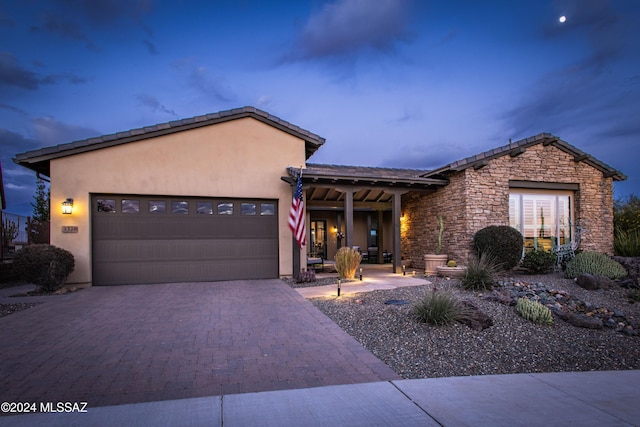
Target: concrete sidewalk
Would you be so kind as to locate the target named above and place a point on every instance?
(550, 399)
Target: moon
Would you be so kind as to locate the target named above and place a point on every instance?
(562, 19)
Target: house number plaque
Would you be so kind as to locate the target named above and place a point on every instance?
(69, 228)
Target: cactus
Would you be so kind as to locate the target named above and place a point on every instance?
(534, 311)
(451, 263)
(595, 263)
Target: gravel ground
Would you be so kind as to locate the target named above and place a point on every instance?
(511, 345)
(7, 309)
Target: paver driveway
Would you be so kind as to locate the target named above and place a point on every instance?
(126, 344)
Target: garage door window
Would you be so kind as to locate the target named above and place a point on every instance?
(205, 208)
(106, 205)
(248, 208)
(157, 206)
(180, 208)
(130, 206)
(267, 209)
(225, 208)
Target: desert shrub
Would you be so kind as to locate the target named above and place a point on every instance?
(595, 263)
(538, 261)
(481, 273)
(502, 242)
(627, 243)
(437, 308)
(43, 265)
(626, 213)
(452, 263)
(306, 276)
(347, 262)
(534, 311)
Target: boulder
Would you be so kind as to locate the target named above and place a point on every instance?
(591, 282)
(579, 320)
(475, 318)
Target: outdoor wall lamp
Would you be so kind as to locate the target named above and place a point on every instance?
(67, 206)
(361, 274)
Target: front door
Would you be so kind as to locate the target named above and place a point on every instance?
(318, 242)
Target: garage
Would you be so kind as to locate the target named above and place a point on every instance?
(164, 239)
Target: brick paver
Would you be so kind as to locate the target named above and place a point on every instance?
(127, 344)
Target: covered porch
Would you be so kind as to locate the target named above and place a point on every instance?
(359, 207)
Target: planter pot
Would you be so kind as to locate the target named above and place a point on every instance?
(453, 272)
(432, 261)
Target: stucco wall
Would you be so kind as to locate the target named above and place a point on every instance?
(478, 198)
(239, 158)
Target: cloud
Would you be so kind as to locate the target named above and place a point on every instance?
(213, 87)
(51, 132)
(12, 74)
(155, 105)
(150, 47)
(350, 26)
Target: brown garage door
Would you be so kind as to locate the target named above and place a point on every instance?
(160, 239)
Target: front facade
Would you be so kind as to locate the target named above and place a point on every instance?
(208, 199)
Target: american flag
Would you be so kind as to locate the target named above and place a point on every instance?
(296, 215)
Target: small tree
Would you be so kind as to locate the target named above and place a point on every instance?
(41, 210)
(626, 213)
(41, 202)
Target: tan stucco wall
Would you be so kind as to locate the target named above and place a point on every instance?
(239, 158)
(475, 199)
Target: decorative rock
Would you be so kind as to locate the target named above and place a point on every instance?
(591, 282)
(587, 281)
(476, 318)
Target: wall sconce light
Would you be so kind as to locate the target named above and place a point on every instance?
(335, 229)
(67, 206)
(361, 274)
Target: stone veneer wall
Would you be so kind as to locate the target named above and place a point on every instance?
(475, 199)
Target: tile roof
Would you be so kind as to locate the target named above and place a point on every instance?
(317, 173)
(38, 160)
(518, 147)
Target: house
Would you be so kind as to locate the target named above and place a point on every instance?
(208, 198)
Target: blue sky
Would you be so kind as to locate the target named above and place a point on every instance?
(393, 83)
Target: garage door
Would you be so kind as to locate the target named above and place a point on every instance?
(158, 239)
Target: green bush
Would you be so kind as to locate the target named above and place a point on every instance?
(481, 273)
(538, 261)
(595, 263)
(43, 265)
(437, 308)
(504, 243)
(347, 262)
(627, 243)
(534, 311)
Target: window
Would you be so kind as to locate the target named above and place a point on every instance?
(205, 208)
(180, 207)
(267, 209)
(248, 208)
(157, 206)
(543, 218)
(225, 208)
(130, 206)
(106, 205)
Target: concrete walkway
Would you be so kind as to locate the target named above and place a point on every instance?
(561, 399)
(374, 278)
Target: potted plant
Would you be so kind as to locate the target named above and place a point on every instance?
(452, 269)
(432, 261)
